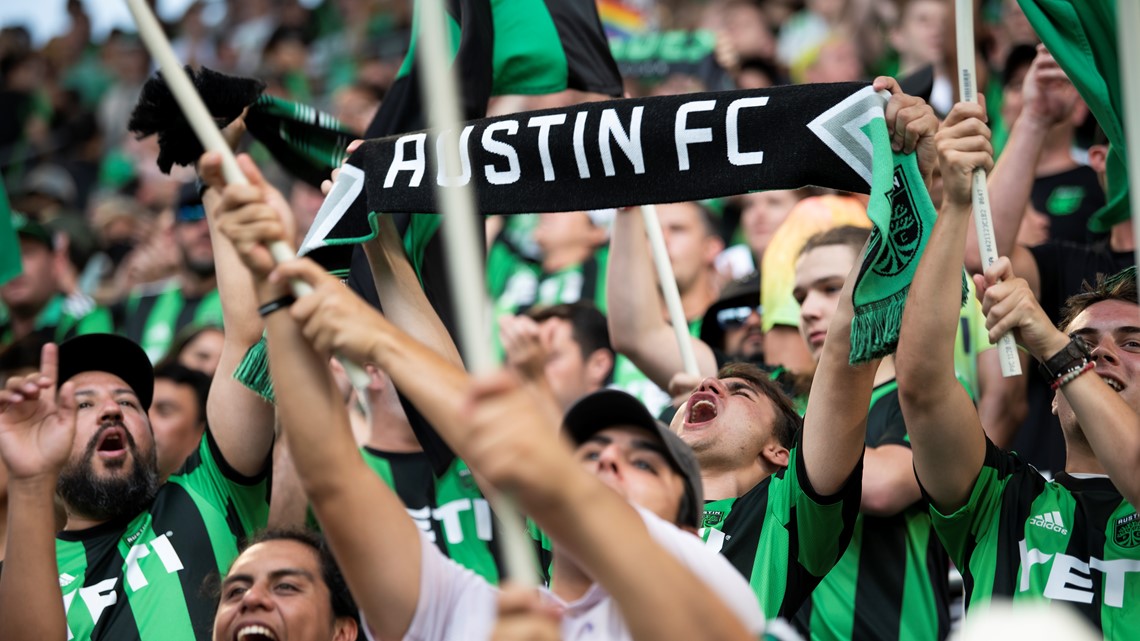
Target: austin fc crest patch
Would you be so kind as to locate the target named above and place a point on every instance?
(712, 518)
(894, 252)
(1126, 532)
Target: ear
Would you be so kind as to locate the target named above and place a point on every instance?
(598, 365)
(344, 629)
(1098, 158)
(775, 454)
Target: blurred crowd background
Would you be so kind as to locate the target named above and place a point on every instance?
(110, 242)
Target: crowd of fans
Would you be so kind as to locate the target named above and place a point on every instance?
(839, 522)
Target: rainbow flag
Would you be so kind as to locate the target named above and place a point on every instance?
(620, 20)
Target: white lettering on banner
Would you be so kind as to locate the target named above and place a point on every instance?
(544, 123)
(580, 145)
(630, 143)
(1071, 579)
(512, 174)
(685, 136)
(464, 176)
(449, 517)
(414, 165)
(735, 156)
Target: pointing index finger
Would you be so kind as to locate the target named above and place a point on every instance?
(49, 363)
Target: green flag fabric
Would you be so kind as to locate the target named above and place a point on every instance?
(9, 243)
(1081, 35)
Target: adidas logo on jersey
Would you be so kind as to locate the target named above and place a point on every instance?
(1050, 521)
(65, 580)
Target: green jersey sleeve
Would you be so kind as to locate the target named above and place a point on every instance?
(244, 500)
(972, 525)
(821, 525)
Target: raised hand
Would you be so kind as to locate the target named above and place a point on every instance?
(523, 616)
(36, 428)
(912, 125)
(523, 343)
(326, 185)
(1009, 306)
(1047, 93)
(963, 144)
(251, 216)
(333, 318)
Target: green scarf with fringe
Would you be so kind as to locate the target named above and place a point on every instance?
(903, 216)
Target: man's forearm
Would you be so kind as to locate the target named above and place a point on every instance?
(1112, 428)
(404, 301)
(31, 603)
(940, 417)
(241, 422)
(1002, 403)
(836, 418)
(633, 307)
(362, 518)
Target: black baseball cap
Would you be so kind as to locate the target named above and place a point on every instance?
(112, 354)
(611, 408)
(30, 229)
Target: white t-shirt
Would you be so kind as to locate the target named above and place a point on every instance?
(457, 604)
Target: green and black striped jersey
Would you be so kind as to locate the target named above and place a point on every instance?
(153, 319)
(782, 535)
(147, 577)
(891, 583)
(1073, 539)
(449, 508)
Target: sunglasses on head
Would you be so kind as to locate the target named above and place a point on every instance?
(190, 213)
(734, 317)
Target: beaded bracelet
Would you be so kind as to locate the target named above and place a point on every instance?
(1071, 375)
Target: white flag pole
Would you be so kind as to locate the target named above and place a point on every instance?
(983, 220)
(1127, 24)
(464, 255)
(669, 290)
(211, 138)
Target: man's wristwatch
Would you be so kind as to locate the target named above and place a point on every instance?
(1075, 354)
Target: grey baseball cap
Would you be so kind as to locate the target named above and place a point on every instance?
(612, 408)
